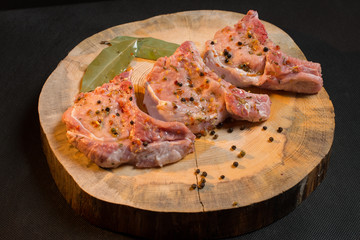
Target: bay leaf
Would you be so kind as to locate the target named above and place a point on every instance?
(149, 48)
(109, 63)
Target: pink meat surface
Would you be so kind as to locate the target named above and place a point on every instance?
(181, 88)
(244, 56)
(109, 128)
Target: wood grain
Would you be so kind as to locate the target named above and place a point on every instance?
(270, 181)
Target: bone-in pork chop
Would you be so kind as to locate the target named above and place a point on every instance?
(244, 56)
(181, 88)
(108, 127)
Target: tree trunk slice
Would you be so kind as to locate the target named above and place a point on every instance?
(270, 181)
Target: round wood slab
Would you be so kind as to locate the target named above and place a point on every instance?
(270, 180)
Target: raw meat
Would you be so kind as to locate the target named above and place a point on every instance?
(181, 88)
(244, 56)
(108, 127)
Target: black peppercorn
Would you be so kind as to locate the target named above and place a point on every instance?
(212, 43)
(222, 177)
(204, 174)
(145, 143)
(239, 43)
(98, 102)
(241, 154)
(212, 132)
(266, 49)
(191, 99)
(280, 129)
(130, 98)
(193, 186)
(233, 147)
(264, 127)
(183, 99)
(242, 127)
(132, 122)
(220, 125)
(271, 139)
(197, 171)
(202, 74)
(215, 136)
(230, 130)
(235, 164)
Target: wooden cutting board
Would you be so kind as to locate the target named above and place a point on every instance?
(270, 180)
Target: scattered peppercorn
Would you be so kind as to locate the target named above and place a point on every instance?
(197, 171)
(98, 102)
(220, 125)
(201, 185)
(215, 136)
(242, 127)
(145, 143)
(212, 43)
(183, 99)
(212, 132)
(235, 164)
(113, 131)
(222, 177)
(233, 147)
(97, 112)
(118, 114)
(191, 99)
(130, 87)
(130, 98)
(203, 180)
(266, 49)
(198, 135)
(132, 122)
(204, 174)
(107, 109)
(239, 43)
(230, 130)
(175, 107)
(202, 74)
(193, 186)
(264, 127)
(226, 52)
(229, 55)
(271, 139)
(191, 85)
(241, 154)
(280, 129)
(249, 35)
(235, 204)
(226, 60)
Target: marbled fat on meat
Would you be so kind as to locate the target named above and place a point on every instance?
(244, 56)
(108, 127)
(181, 88)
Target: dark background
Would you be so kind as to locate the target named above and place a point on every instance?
(34, 37)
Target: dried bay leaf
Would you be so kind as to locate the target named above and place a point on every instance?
(110, 62)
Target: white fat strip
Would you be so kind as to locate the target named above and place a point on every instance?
(90, 133)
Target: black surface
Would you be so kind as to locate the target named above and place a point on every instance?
(32, 43)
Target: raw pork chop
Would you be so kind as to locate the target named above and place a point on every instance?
(108, 127)
(181, 88)
(244, 56)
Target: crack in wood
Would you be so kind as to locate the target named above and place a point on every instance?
(197, 180)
